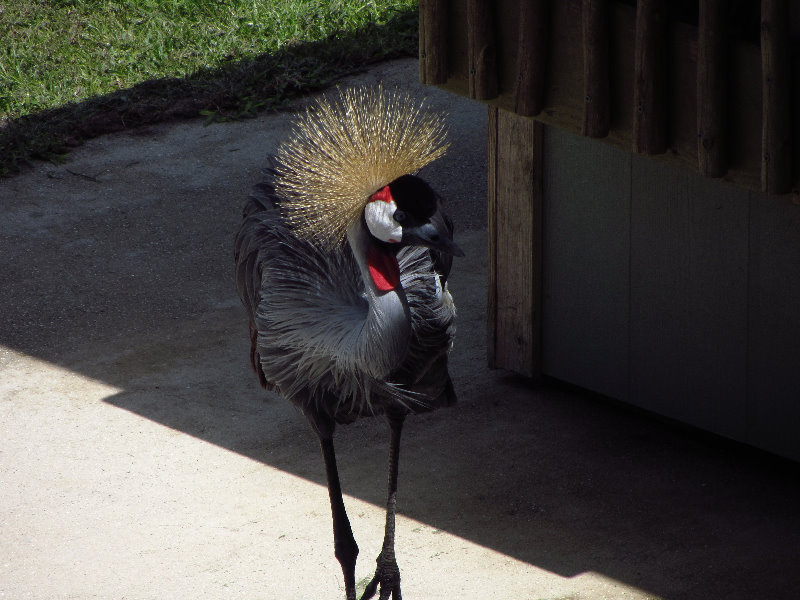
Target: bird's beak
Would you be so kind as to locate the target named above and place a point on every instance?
(430, 236)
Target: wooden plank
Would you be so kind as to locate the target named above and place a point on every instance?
(433, 41)
(491, 284)
(650, 65)
(531, 57)
(622, 64)
(716, 358)
(659, 285)
(682, 86)
(483, 84)
(515, 239)
(564, 102)
(776, 123)
(743, 105)
(689, 252)
(595, 26)
(712, 61)
(774, 325)
(586, 262)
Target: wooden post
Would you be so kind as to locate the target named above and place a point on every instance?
(712, 50)
(776, 122)
(432, 42)
(515, 243)
(491, 226)
(531, 57)
(595, 25)
(650, 73)
(482, 50)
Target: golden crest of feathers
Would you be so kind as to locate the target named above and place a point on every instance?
(346, 148)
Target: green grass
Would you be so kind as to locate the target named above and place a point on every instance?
(72, 69)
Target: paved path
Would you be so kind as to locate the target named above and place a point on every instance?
(140, 460)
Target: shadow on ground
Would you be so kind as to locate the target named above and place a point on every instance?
(236, 89)
(125, 276)
(553, 477)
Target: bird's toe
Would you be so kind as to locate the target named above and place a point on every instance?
(387, 576)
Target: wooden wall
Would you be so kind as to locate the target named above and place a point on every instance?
(644, 220)
(700, 94)
(671, 291)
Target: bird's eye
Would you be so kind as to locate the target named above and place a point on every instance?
(399, 216)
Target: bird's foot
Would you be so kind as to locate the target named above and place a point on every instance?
(387, 575)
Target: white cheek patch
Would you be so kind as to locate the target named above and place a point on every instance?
(379, 216)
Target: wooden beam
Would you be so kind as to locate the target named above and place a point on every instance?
(515, 243)
(595, 28)
(712, 67)
(531, 57)
(650, 74)
(491, 250)
(482, 50)
(776, 91)
(432, 42)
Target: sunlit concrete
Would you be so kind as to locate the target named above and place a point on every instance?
(139, 458)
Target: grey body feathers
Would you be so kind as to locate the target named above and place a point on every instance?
(322, 340)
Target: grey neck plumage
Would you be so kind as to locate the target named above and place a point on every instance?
(383, 340)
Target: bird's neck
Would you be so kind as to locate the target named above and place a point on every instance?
(387, 328)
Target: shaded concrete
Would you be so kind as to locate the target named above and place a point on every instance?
(139, 458)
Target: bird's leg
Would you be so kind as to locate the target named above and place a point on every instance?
(387, 574)
(345, 547)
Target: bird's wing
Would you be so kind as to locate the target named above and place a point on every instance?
(254, 232)
(442, 262)
(305, 303)
(424, 371)
(306, 308)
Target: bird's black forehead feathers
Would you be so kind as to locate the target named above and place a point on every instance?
(414, 196)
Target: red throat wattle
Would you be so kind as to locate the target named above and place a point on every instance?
(383, 269)
(384, 194)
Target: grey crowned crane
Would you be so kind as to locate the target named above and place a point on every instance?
(342, 260)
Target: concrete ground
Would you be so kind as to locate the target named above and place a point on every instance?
(139, 459)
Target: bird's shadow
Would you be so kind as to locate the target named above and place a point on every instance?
(549, 475)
